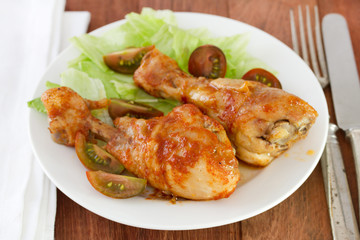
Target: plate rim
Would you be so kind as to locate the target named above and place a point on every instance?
(151, 225)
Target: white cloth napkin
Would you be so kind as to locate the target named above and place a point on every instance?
(32, 33)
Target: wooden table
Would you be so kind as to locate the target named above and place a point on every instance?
(304, 214)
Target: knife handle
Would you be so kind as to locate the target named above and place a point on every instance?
(342, 214)
(354, 135)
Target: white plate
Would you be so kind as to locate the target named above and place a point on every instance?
(265, 188)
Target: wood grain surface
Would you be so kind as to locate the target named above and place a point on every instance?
(304, 214)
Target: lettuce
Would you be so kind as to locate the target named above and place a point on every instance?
(80, 82)
(91, 78)
(51, 85)
(37, 105)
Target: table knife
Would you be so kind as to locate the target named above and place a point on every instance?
(345, 88)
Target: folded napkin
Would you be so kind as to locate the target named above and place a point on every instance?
(33, 33)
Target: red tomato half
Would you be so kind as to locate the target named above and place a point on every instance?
(207, 61)
(262, 76)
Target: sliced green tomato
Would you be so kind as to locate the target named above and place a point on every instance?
(94, 157)
(116, 186)
(262, 76)
(127, 60)
(119, 108)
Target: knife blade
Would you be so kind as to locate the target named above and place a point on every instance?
(344, 81)
(344, 77)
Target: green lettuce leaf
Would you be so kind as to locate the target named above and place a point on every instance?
(37, 105)
(91, 78)
(80, 82)
(49, 85)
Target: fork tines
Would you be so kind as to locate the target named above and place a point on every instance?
(317, 56)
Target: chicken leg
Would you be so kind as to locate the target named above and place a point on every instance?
(185, 153)
(261, 122)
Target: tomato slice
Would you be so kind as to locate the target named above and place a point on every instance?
(207, 61)
(116, 186)
(127, 60)
(120, 107)
(94, 157)
(262, 76)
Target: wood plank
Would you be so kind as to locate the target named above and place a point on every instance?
(304, 214)
(105, 11)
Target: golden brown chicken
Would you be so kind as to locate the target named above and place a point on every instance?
(184, 153)
(69, 113)
(261, 122)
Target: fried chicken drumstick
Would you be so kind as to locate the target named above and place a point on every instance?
(184, 153)
(260, 121)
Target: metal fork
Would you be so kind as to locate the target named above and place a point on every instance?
(342, 215)
(323, 75)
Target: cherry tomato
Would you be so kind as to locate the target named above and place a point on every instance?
(94, 157)
(207, 61)
(119, 108)
(116, 186)
(262, 76)
(127, 60)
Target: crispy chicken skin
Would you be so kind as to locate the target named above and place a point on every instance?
(69, 113)
(184, 153)
(261, 122)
